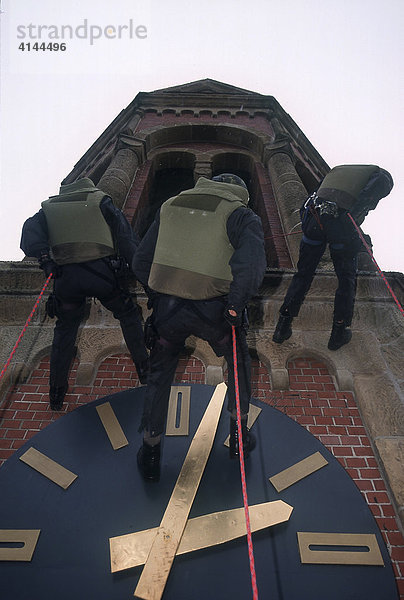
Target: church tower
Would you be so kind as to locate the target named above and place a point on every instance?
(352, 400)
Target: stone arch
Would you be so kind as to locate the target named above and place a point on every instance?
(310, 354)
(220, 133)
(342, 377)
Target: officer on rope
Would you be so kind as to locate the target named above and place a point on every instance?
(86, 242)
(356, 189)
(200, 262)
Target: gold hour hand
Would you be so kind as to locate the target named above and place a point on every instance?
(132, 549)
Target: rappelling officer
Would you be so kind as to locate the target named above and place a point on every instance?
(353, 189)
(201, 261)
(85, 241)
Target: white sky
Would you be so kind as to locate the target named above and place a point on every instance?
(336, 66)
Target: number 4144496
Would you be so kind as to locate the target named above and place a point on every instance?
(52, 46)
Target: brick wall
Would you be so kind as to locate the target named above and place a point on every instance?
(312, 400)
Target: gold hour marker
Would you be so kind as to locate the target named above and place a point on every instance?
(298, 471)
(111, 425)
(369, 555)
(179, 395)
(48, 467)
(27, 537)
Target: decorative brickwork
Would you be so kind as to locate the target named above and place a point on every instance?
(152, 119)
(312, 401)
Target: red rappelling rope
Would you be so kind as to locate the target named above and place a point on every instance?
(369, 251)
(242, 470)
(27, 322)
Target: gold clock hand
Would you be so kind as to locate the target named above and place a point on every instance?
(164, 548)
(132, 549)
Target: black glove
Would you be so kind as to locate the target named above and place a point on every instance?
(48, 266)
(236, 319)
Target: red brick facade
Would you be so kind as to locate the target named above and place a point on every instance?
(311, 400)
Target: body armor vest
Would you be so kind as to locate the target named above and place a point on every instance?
(343, 184)
(192, 254)
(77, 229)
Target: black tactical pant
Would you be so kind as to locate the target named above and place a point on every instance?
(72, 287)
(174, 320)
(344, 245)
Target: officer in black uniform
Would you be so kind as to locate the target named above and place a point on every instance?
(201, 261)
(86, 242)
(346, 188)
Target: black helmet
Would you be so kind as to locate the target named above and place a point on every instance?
(379, 186)
(229, 178)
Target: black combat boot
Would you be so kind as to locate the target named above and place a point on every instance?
(340, 335)
(56, 396)
(283, 329)
(148, 460)
(249, 440)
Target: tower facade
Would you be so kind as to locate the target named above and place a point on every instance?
(160, 145)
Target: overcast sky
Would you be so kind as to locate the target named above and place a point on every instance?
(334, 65)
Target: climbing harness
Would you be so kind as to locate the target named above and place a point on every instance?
(242, 470)
(27, 322)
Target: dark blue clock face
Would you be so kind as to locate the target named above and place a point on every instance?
(109, 498)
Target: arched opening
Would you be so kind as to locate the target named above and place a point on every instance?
(170, 174)
(233, 162)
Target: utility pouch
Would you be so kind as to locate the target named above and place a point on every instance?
(326, 207)
(150, 333)
(121, 271)
(52, 305)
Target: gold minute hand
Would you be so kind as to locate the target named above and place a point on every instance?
(164, 548)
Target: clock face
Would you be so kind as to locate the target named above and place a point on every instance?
(109, 498)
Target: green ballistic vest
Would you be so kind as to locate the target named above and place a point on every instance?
(192, 254)
(77, 229)
(343, 184)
